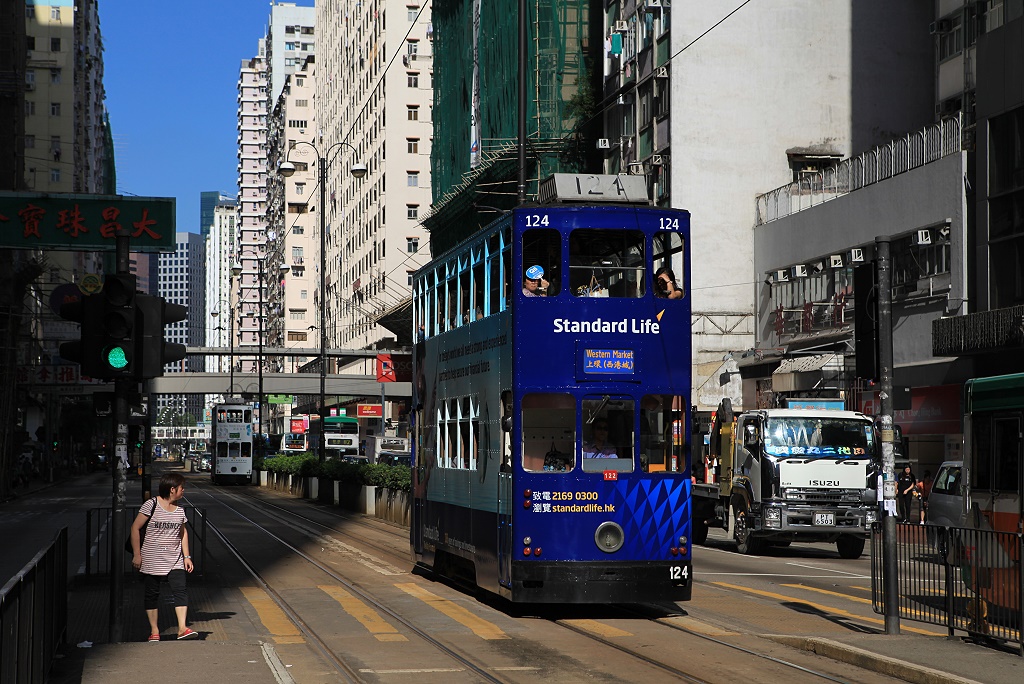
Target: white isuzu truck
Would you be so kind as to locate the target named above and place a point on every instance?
(775, 476)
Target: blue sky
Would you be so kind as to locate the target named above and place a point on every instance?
(170, 72)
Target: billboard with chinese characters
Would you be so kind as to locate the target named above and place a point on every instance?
(30, 220)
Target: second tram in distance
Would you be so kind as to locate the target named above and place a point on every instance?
(231, 443)
(551, 406)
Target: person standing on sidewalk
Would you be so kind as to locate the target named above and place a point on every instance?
(906, 485)
(924, 488)
(163, 556)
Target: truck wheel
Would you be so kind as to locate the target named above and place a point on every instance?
(850, 547)
(700, 531)
(746, 542)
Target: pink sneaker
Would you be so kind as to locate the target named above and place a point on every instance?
(188, 634)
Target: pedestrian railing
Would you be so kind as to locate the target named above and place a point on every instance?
(98, 540)
(34, 614)
(960, 578)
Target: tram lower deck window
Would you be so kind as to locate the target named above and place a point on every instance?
(549, 432)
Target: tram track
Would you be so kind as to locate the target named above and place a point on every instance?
(286, 515)
(320, 645)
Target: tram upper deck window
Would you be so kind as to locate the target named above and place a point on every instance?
(543, 247)
(606, 263)
(608, 434)
(549, 432)
(668, 254)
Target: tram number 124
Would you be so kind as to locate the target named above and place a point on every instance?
(678, 572)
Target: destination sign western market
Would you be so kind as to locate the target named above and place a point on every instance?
(86, 222)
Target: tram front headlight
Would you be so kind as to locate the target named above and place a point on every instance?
(609, 537)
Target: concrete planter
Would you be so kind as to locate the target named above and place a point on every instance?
(358, 498)
(393, 505)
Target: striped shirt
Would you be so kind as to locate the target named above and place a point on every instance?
(161, 549)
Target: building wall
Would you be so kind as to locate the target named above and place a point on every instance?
(805, 76)
(290, 39)
(359, 105)
(182, 279)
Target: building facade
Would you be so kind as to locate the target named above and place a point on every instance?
(182, 278)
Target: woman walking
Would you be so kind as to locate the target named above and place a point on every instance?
(163, 556)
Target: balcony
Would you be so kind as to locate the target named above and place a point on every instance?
(978, 333)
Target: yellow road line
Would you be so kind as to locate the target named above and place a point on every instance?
(825, 609)
(273, 618)
(367, 617)
(479, 626)
(598, 628)
(829, 593)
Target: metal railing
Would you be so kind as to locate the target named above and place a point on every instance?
(98, 541)
(960, 578)
(885, 161)
(34, 614)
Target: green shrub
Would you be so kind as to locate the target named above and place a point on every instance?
(397, 477)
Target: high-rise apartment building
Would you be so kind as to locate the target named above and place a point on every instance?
(219, 329)
(378, 112)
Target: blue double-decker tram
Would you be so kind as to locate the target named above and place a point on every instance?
(551, 396)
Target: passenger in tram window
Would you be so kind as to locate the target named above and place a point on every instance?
(534, 284)
(599, 446)
(665, 284)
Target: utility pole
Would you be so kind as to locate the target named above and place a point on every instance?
(890, 567)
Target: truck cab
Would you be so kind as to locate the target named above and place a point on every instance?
(797, 475)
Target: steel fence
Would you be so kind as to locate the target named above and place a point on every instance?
(97, 538)
(960, 578)
(885, 161)
(34, 614)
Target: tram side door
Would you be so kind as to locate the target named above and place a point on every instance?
(505, 496)
(419, 473)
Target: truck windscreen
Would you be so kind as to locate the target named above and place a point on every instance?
(819, 437)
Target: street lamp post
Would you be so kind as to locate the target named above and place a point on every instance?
(287, 169)
(236, 270)
(231, 344)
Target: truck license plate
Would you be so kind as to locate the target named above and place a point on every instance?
(824, 519)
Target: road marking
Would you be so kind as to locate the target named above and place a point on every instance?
(598, 628)
(482, 628)
(281, 629)
(367, 617)
(856, 599)
(762, 574)
(825, 609)
(421, 671)
(858, 575)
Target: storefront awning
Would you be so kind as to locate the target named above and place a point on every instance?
(800, 373)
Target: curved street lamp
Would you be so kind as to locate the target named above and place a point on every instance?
(231, 341)
(358, 170)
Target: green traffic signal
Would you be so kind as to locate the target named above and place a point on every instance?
(117, 358)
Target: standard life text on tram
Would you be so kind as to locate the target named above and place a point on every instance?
(232, 443)
(551, 397)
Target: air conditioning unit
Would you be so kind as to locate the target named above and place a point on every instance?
(856, 255)
(922, 237)
(940, 26)
(635, 168)
(604, 143)
(657, 160)
(835, 261)
(662, 72)
(799, 271)
(781, 276)
(621, 27)
(651, 5)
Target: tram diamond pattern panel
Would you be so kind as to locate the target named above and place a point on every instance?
(653, 513)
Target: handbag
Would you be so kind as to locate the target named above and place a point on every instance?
(556, 460)
(142, 530)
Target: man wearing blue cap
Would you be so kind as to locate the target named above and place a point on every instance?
(534, 284)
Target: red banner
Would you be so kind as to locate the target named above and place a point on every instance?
(394, 368)
(933, 410)
(369, 411)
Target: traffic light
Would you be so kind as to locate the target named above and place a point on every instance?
(84, 351)
(152, 350)
(117, 343)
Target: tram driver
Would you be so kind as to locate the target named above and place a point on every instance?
(599, 446)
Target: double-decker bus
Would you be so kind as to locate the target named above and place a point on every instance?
(341, 437)
(551, 406)
(994, 481)
(231, 443)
